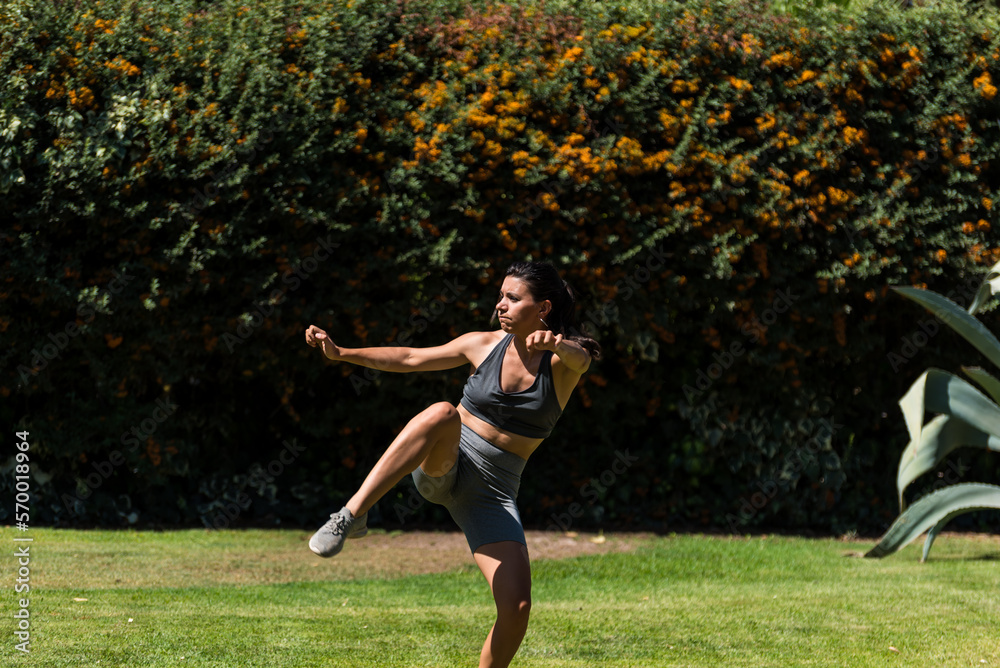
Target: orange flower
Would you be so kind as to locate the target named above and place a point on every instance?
(119, 64)
(853, 135)
(572, 54)
(55, 91)
(837, 196)
(984, 84)
(82, 100)
(739, 84)
(765, 122)
(781, 59)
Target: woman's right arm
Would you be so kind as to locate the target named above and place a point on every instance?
(398, 359)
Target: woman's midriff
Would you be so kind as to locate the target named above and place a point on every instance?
(522, 446)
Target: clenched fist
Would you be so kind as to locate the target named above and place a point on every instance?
(317, 337)
(543, 340)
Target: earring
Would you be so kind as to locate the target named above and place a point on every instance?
(544, 323)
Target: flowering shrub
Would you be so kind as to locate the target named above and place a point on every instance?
(188, 185)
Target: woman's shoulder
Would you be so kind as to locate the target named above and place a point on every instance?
(493, 336)
(487, 340)
(478, 345)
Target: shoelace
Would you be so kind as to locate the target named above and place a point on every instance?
(336, 525)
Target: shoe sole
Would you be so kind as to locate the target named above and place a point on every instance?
(319, 552)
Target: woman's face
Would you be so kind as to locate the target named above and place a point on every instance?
(517, 309)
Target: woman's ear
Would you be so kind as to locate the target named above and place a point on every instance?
(545, 308)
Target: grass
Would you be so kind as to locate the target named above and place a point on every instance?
(258, 598)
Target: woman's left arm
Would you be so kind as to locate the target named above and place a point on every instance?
(570, 353)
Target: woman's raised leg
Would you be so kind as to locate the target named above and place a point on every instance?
(429, 440)
(508, 572)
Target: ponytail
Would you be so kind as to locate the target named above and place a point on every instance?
(567, 317)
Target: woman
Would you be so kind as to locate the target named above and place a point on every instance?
(469, 457)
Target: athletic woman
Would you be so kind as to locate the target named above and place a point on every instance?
(469, 457)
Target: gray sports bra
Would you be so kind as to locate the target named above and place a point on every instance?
(532, 412)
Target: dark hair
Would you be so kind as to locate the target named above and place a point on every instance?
(543, 282)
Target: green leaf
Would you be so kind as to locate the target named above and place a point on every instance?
(939, 391)
(958, 319)
(936, 529)
(938, 438)
(932, 511)
(985, 380)
(989, 287)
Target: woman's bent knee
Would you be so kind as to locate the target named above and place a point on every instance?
(443, 410)
(441, 414)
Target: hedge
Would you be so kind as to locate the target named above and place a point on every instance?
(188, 185)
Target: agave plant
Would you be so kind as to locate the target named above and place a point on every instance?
(966, 417)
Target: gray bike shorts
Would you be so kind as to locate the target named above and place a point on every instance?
(480, 491)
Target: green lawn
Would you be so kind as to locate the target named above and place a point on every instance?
(255, 599)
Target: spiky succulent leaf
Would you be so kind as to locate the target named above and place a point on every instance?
(936, 529)
(985, 379)
(989, 287)
(939, 391)
(933, 510)
(967, 417)
(958, 319)
(938, 438)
